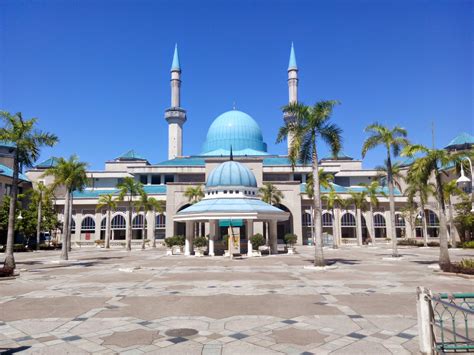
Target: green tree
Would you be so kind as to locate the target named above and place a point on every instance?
(41, 196)
(108, 202)
(373, 192)
(418, 186)
(194, 194)
(270, 194)
(27, 142)
(325, 180)
(129, 188)
(393, 140)
(333, 200)
(451, 189)
(310, 125)
(464, 220)
(359, 199)
(157, 206)
(149, 204)
(430, 163)
(397, 174)
(70, 174)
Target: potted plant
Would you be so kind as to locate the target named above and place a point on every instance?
(257, 241)
(179, 244)
(290, 240)
(170, 243)
(200, 245)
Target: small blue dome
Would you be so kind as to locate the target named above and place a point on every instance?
(237, 129)
(231, 173)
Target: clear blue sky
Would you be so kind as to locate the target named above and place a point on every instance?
(96, 73)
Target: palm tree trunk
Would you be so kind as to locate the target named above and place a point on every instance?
(69, 231)
(38, 221)
(143, 229)
(444, 261)
(128, 242)
(153, 237)
(9, 257)
(451, 222)
(64, 248)
(372, 227)
(318, 247)
(335, 237)
(392, 206)
(359, 226)
(424, 224)
(108, 229)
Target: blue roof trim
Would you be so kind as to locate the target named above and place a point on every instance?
(130, 155)
(187, 161)
(337, 188)
(149, 189)
(8, 172)
(342, 189)
(48, 163)
(462, 139)
(230, 205)
(7, 144)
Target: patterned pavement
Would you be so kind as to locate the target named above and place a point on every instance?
(107, 302)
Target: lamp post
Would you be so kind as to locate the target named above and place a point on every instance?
(464, 180)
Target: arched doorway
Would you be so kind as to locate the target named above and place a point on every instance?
(348, 226)
(137, 226)
(284, 227)
(180, 227)
(380, 226)
(160, 226)
(87, 228)
(432, 224)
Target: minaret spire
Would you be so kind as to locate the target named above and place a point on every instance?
(175, 115)
(292, 90)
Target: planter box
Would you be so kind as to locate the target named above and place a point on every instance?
(177, 250)
(198, 252)
(290, 250)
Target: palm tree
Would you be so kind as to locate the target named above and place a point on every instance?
(332, 201)
(41, 196)
(26, 142)
(72, 175)
(373, 191)
(270, 194)
(451, 189)
(397, 174)
(359, 199)
(311, 124)
(430, 163)
(129, 187)
(194, 194)
(424, 189)
(393, 140)
(156, 206)
(110, 203)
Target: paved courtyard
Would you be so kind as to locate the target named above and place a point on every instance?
(113, 301)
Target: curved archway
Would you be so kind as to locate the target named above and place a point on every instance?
(348, 226)
(284, 227)
(380, 226)
(400, 225)
(87, 227)
(180, 227)
(137, 226)
(160, 226)
(119, 227)
(432, 224)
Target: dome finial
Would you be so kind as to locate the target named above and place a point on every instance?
(231, 155)
(292, 64)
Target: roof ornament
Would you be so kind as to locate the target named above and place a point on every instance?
(231, 155)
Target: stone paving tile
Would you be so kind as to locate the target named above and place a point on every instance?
(233, 306)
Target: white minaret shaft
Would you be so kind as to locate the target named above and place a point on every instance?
(175, 115)
(292, 89)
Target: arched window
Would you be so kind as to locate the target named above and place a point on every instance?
(88, 224)
(379, 221)
(433, 220)
(103, 224)
(348, 220)
(137, 222)
(306, 220)
(118, 222)
(399, 221)
(160, 221)
(327, 220)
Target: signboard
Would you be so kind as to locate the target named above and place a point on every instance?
(234, 240)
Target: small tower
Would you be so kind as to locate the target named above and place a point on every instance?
(292, 89)
(175, 115)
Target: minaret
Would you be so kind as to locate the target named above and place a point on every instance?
(292, 89)
(175, 115)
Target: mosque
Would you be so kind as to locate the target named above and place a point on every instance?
(231, 181)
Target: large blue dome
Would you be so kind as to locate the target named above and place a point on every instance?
(231, 173)
(237, 129)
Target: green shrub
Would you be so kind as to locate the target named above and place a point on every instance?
(468, 245)
(200, 242)
(46, 247)
(170, 241)
(19, 248)
(465, 266)
(257, 241)
(290, 239)
(180, 240)
(410, 242)
(433, 244)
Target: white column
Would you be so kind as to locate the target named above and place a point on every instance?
(98, 221)
(249, 224)
(273, 241)
(189, 238)
(212, 235)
